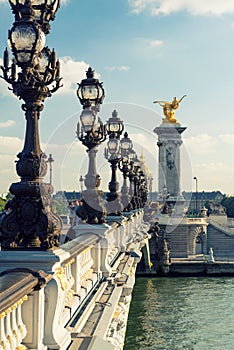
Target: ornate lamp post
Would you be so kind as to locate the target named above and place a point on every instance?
(90, 91)
(81, 179)
(138, 187)
(50, 160)
(136, 203)
(124, 166)
(91, 134)
(31, 223)
(114, 128)
(195, 178)
(131, 156)
(142, 188)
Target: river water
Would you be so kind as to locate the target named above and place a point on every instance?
(195, 313)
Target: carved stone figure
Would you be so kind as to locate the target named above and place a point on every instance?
(211, 255)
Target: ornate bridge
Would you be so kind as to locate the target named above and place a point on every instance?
(76, 296)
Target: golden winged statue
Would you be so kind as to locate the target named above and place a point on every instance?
(169, 109)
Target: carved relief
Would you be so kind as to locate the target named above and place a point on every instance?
(170, 157)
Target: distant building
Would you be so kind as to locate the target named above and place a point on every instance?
(196, 200)
(68, 196)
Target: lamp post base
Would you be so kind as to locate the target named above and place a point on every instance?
(92, 210)
(30, 222)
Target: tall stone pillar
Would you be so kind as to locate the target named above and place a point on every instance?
(169, 167)
(169, 142)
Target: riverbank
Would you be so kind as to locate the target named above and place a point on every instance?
(188, 267)
(183, 268)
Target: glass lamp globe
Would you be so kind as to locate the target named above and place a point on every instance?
(87, 119)
(25, 40)
(137, 162)
(132, 155)
(90, 90)
(114, 125)
(125, 145)
(113, 146)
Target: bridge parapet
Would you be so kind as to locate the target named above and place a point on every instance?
(178, 220)
(20, 291)
(102, 258)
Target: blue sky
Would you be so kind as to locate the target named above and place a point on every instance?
(142, 50)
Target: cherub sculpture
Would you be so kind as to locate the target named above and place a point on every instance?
(169, 109)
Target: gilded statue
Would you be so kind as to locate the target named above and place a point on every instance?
(169, 109)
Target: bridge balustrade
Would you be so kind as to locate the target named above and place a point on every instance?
(38, 308)
(18, 287)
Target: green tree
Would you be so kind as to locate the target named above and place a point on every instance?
(60, 207)
(2, 203)
(228, 203)
(9, 196)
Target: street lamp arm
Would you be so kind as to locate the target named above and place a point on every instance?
(57, 86)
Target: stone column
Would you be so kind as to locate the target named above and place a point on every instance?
(169, 169)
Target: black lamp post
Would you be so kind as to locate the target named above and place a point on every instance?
(126, 146)
(136, 181)
(90, 91)
(31, 223)
(91, 133)
(50, 160)
(142, 188)
(196, 206)
(131, 175)
(81, 179)
(114, 128)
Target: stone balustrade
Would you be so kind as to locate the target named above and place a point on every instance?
(12, 328)
(42, 306)
(18, 287)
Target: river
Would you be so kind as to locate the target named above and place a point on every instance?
(195, 313)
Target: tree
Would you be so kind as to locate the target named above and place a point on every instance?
(60, 207)
(228, 203)
(2, 203)
(9, 196)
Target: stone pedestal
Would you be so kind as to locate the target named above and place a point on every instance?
(169, 167)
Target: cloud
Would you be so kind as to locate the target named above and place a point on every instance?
(10, 145)
(65, 2)
(155, 43)
(117, 68)
(227, 139)
(72, 72)
(207, 143)
(148, 44)
(210, 159)
(194, 7)
(7, 124)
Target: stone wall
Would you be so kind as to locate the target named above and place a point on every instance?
(221, 242)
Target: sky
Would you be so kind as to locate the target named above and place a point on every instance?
(142, 51)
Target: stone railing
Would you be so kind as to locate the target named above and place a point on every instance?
(55, 297)
(18, 287)
(176, 220)
(224, 228)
